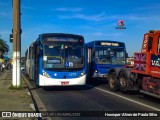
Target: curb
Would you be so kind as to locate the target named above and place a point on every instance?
(38, 104)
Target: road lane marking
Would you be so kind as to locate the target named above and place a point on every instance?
(111, 93)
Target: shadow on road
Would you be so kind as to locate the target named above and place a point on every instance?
(94, 83)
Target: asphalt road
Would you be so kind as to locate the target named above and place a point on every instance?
(95, 96)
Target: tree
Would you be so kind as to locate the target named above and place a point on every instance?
(4, 48)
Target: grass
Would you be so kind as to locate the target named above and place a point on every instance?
(20, 87)
(16, 87)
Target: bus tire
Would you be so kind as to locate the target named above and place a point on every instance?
(123, 81)
(113, 82)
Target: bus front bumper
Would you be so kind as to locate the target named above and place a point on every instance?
(44, 81)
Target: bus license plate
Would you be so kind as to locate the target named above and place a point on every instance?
(65, 83)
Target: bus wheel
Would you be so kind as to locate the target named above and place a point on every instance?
(113, 82)
(123, 80)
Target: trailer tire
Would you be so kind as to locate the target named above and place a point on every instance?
(113, 82)
(123, 81)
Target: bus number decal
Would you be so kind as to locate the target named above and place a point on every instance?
(73, 74)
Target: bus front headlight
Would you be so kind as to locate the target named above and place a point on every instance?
(46, 74)
(82, 74)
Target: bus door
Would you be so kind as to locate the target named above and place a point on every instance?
(89, 60)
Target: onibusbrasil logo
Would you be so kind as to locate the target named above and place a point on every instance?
(120, 24)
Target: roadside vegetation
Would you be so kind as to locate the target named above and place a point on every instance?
(4, 48)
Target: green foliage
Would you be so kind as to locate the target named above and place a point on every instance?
(4, 48)
(22, 86)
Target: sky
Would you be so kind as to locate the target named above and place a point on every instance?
(94, 19)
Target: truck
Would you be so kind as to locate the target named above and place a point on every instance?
(144, 77)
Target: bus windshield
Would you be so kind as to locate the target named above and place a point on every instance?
(63, 55)
(106, 55)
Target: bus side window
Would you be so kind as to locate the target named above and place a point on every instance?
(158, 45)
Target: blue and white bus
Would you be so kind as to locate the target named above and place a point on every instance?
(103, 55)
(57, 59)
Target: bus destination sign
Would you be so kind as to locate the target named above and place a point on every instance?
(109, 44)
(61, 39)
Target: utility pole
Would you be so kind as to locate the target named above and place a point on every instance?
(16, 71)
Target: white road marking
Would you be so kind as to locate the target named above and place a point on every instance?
(142, 104)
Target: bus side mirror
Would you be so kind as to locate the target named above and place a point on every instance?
(150, 41)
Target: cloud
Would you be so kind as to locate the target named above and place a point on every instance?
(97, 17)
(103, 16)
(68, 9)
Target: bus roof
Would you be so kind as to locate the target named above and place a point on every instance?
(60, 34)
(94, 41)
(105, 43)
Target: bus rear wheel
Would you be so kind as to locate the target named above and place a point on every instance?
(113, 82)
(123, 80)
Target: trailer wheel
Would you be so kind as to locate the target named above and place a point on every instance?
(123, 80)
(113, 82)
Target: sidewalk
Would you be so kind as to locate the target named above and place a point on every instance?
(13, 100)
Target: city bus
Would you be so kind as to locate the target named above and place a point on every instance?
(57, 59)
(102, 55)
